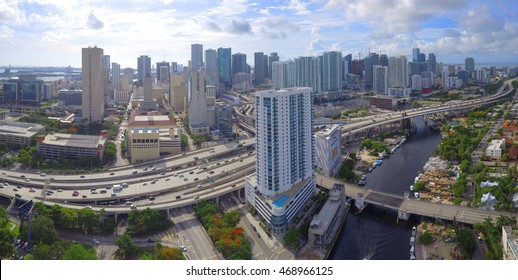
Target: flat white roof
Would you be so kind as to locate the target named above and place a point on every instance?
(19, 129)
(74, 140)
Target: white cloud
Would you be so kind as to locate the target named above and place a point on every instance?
(298, 7)
(6, 32)
(10, 13)
(93, 22)
(229, 7)
(480, 20)
(55, 37)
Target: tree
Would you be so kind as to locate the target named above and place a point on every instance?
(80, 252)
(466, 242)
(171, 254)
(126, 248)
(7, 249)
(425, 238)
(42, 230)
(231, 218)
(110, 152)
(292, 238)
(87, 220)
(419, 186)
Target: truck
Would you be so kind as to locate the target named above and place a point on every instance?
(117, 188)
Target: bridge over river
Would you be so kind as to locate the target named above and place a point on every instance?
(406, 206)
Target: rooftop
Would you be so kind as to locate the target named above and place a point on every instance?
(322, 221)
(19, 129)
(326, 132)
(75, 140)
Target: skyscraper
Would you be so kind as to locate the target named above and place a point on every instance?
(106, 79)
(383, 60)
(93, 91)
(469, 65)
(368, 63)
(284, 178)
(332, 71)
(415, 55)
(159, 65)
(196, 56)
(116, 75)
(239, 63)
(308, 73)
(211, 68)
(432, 63)
(398, 74)
(380, 79)
(273, 57)
(143, 67)
(259, 68)
(225, 66)
(283, 74)
(197, 99)
(148, 104)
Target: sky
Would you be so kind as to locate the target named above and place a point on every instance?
(52, 33)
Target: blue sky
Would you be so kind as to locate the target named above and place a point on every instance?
(52, 33)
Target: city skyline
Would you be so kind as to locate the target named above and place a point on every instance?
(51, 33)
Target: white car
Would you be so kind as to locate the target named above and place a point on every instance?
(95, 241)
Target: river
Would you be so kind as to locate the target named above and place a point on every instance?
(374, 234)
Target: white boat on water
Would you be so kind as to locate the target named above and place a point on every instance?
(414, 229)
(412, 241)
(412, 257)
(411, 188)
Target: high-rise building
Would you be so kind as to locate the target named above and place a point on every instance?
(415, 54)
(129, 75)
(368, 63)
(332, 71)
(284, 179)
(432, 63)
(211, 67)
(273, 57)
(421, 57)
(383, 61)
(148, 104)
(283, 74)
(239, 63)
(348, 60)
(225, 66)
(174, 67)
(398, 74)
(92, 82)
(116, 75)
(380, 79)
(416, 82)
(308, 73)
(469, 65)
(108, 94)
(259, 68)
(143, 67)
(196, 57)
(197, 99)
(159, 76)
(357, 67)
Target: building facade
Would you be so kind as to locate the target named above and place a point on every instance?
(93, 86)
(328, 150)
(143, 67)
(284, 178)
(72, 146)
(380, 79)
(196, 57)
(18, 132)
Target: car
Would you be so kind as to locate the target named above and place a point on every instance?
(163, 173)
(196, 197)
(211, 172)
(112, 173)
(184, 249)
(145, 169)
(192, 172)
(82, 176)
(133, 206)
(108, 187)
(167, 179)
(364, 177)
(241, 160)
(254, 228)
(95, 241)
(258, 234)
(154, 168)
(185, 179)
(51, 178)
(17, 195)
(43, 174)
(60, 190)
(150, 240)
(22, 176)
(199, 186)
(151, 198)
(145, 184)
(75, 194)
(102, 191)
(15, 189)
(32, 190)
(178, 196)
(49, 193)
(18, 187)
(196, 179)
(114, 194)
(128, 202)
(88, 207)
(135, 172)
(84, 196)
(152, 182)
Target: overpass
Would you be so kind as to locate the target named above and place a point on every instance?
(407, 206)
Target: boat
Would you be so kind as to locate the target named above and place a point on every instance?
(412, 250)
(412, 241)
(414, 229)
(379, 162)
(370, 169)
(412, 257)
(411, 187)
